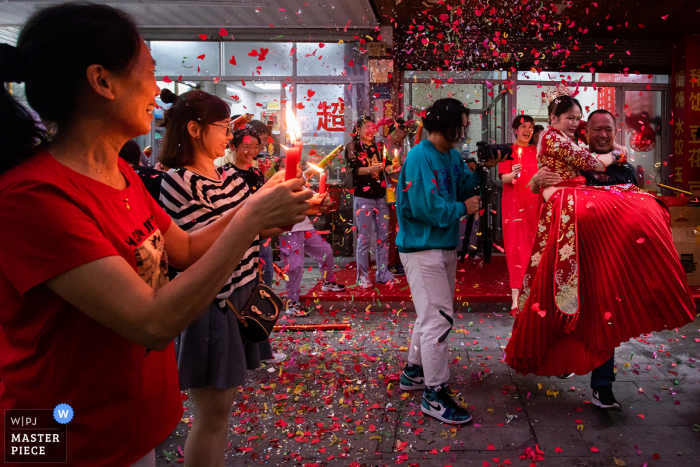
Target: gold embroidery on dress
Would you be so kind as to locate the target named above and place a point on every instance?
(566, 297)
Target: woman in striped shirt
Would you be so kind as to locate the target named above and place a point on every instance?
(212, 356)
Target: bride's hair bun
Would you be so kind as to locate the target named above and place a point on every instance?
(167, 96)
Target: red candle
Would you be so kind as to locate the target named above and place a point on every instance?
(322, 184)
(293, 158)
(520, 160)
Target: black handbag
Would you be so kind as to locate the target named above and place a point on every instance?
(259, 315)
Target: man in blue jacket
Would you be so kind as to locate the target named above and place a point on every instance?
(435, 190)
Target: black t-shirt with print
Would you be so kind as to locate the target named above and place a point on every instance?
(360, 155)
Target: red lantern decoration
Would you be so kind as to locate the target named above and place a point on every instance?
(643, 141)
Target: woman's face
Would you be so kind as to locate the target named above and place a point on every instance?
(368, 130)
(246, 151)
(398, 135)
(567, 122)
(524, 132)
(215, 137)
(135, 96)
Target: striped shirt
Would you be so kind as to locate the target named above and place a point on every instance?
(194, 201)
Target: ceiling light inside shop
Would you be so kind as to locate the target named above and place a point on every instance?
(269, 85)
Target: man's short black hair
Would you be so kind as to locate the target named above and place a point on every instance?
(445, 116)
(538, 129)
(131, 153)
(601, 111)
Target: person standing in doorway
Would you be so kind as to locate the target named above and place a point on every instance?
(371, 211)
(520, 207)
(395, 150)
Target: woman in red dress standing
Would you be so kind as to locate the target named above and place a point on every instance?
(520, 207)
(585, 291)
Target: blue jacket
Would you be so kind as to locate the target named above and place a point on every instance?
(430, 198)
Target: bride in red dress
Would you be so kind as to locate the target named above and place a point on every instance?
(603, 268)
(520, 207)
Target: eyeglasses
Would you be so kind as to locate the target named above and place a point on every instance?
(228, 128)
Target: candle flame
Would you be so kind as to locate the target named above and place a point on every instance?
(315, 167)
(293, 128)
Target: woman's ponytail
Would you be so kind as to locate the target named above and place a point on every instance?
(19, 131)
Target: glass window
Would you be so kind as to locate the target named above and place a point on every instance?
(263, 100)
(631, 78)
(326, 113)
(185, 58)
(272, 58)
(424, 94)
(445, 75)
(534, 101)
(555, 76)
(329, 59)
(643, 119)
(475, 133)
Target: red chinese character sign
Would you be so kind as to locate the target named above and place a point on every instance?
(331, 117)
(685, 101)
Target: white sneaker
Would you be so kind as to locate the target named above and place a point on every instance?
(332, 287)
(277, 357)
(365, 283)
(295, 309)
(391, 282)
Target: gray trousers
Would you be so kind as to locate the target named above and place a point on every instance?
(432, 275)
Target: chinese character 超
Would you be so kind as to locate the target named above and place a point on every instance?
(331, 117)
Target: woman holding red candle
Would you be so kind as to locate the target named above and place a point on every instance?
(367, 165)
(520, 207)
(212, 356)
(86, 300)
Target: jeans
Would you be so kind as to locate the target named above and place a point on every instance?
(293, 246)
(604, 375)
(372, 215)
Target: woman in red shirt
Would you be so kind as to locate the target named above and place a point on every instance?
(87, 316)
(521, 208)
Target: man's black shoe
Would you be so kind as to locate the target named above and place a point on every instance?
(603, 398)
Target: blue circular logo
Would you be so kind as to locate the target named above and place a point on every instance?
(63, 413)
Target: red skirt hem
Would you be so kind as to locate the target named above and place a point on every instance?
(627, 281)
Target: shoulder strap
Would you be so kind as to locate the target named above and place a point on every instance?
(235, 311)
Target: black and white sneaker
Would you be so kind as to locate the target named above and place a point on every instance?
(412, 378)
(566, 376)
(438, 404)
(295, 309)
(603, 397)
(332, 287)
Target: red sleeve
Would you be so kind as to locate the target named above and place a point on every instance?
(45, 234)
(505, 167)
(163, 221)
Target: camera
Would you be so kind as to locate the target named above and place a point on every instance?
(486, 151)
